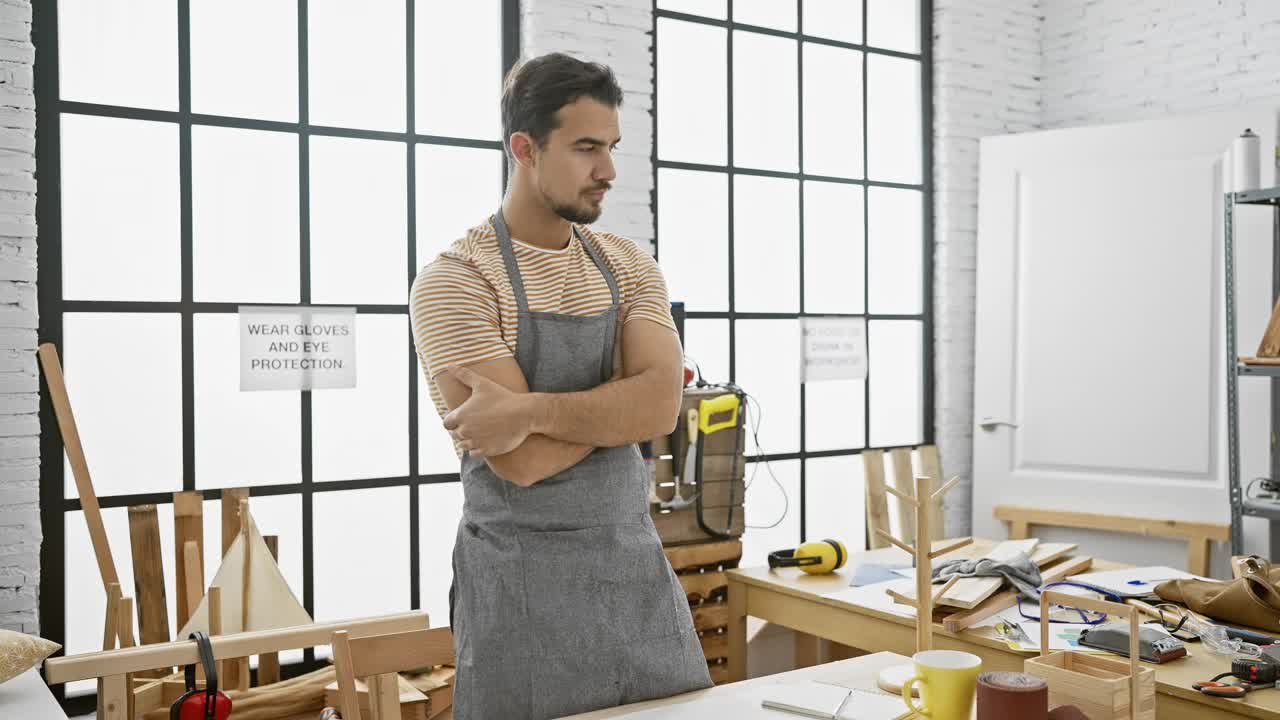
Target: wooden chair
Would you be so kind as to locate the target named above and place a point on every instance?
(903, 479)
(377, 659)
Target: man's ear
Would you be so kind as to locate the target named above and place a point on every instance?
(522, 149)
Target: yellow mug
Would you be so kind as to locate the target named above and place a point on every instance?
(948, 680)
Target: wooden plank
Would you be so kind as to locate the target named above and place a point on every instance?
(400, 651)
(92, 665)
(117, 692)
(1269, 346)
(61, 402)
(1046, 553)
(923, 492)
(715, 645)
(231, 498)
(681, 526)
(877, 499)
(215, 622)
(720, 553)
(710, 616)
(957, 621)
(110, 632)
(703, 586)
(807, 650)
(720, 673)
(970, 592)
(415, 704)
(269, 663)
(1115, 523)
(193, 573)
(188, 526)
(931, 467)
(384, 696)
(148, 575)
(124, 628)
(736, 629)
(904, 482)
(1198, 551)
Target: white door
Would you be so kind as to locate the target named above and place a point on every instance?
(1099, 380)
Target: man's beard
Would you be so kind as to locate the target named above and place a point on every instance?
(583, 215)
(580, 215)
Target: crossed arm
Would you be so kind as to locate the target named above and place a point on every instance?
(526, 437)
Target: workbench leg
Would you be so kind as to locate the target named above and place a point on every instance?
(737, 631)
(1198, 553)
(807, 650)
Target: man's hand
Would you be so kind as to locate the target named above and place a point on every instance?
(493, 421)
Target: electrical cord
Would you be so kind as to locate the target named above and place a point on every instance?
(756, 418)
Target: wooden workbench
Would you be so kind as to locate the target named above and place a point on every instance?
(859, 673)
(793, 599)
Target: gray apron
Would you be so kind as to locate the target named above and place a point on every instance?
(562, 600)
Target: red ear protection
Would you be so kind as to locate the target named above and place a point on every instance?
(197, 704)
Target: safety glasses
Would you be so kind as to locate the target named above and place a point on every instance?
(1030, 609)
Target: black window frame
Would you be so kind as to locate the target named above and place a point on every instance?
(731, 315)
(49, 110)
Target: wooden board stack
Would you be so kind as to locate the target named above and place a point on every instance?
(968, 593)
(700, 569)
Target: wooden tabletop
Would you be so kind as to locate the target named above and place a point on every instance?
(1173, 678)
(27, 697)
(858, 673)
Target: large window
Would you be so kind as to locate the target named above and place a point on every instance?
(792, 169)
(197, 155)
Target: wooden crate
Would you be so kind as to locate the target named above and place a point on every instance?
(1099, 686)
(723, 473)
(701, 571)
(1103, 688)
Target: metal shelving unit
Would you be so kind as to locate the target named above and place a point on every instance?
(1240, 506)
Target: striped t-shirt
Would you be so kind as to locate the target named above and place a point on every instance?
(464, 311)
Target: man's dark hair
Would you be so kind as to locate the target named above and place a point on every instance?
(535, 90)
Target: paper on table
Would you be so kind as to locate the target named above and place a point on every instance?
(1131, 582)
(747, 704)
(1062, 636)
(867, 705)
(872, 573)
(811, 699)
(875, 597)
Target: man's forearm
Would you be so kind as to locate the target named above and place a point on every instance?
(612, 414)
(537, 459)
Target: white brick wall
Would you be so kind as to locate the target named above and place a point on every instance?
(1119, 60)
(19, 384)
(986, 65)
(616, 33)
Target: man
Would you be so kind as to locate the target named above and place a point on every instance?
(562, 600)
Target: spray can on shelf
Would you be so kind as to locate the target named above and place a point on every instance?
(1244, 161)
